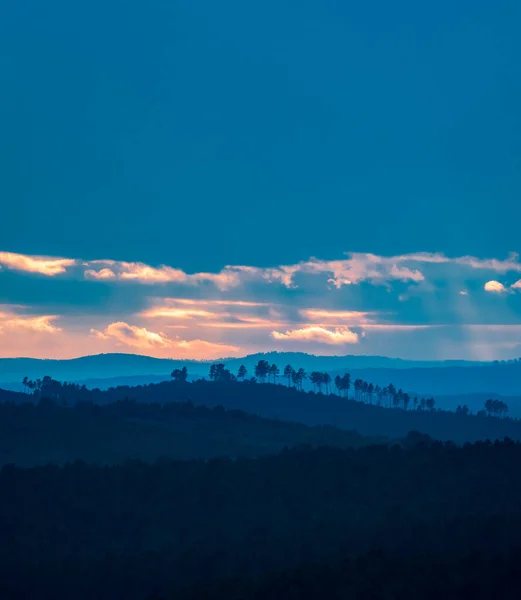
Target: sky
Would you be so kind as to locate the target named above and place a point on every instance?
(206, 179)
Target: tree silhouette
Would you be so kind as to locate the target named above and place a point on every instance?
(298, 378)
(326, 379)
(242, 372)
(370, 391)
(262, 369)
(346, 384)
(378, 392)
(391, 393)
(288, 373)
(274, 372)
(365, 388)
(179, 374)
(357, 386)
(496, 408)
(316, 379)
(218, 372)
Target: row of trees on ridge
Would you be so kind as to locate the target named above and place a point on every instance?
(363, 391)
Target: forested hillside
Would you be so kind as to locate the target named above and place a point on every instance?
(141, 531)
(290, 404)
(51, 433)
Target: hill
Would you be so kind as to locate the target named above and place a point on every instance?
(287, 404)
(103, 366)
(50, 433)
(140, 531)
(446, 378)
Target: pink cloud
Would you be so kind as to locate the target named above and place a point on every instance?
(245, 323)
(204, 349)
(177, 313)
(101, 274)
(353, 317)
(339, 335)
(362, 267)
(396, 327)
(516, 285)
(35, 264)
(198, 302)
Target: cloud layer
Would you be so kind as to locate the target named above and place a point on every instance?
(417, 305)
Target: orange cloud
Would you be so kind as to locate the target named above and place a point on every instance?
(142, 339)
(139, 271)
(339, 335)
(494, 286)
(42, 324)
(35, 264)
(130, 335)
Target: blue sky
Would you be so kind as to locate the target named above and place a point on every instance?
(201, 134)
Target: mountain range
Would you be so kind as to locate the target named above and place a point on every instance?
(447, 378)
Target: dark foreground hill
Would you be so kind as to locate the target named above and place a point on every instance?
(50, 433)
(376, 575)
(140, 531)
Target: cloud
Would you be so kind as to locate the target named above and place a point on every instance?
(316, 304)
(202, 348)
(354, 269)
(396, 326)
(228, 278)
(495, 287)
(177, 313)
(353, 317)
(198, 302)
(140, 338)
(511, 264)
(339, 335)
(224, 313)
(244, 323)
(35, 264)
(130, 335)
(101, 274)
(360, 267)
(41, 324)
(138, 271)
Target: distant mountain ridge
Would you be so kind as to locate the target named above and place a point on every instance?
(115, 365)
(415, 377)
